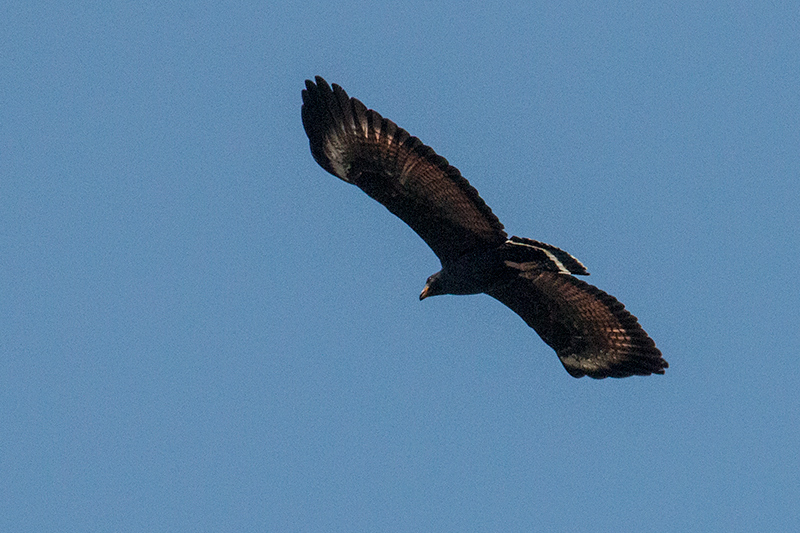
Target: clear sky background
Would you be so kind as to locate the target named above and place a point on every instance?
(201, 330)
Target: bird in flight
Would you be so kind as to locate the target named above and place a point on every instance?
(591, 331)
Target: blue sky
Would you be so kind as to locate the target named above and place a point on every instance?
(201, 330)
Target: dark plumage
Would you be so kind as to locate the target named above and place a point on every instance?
(592, 333)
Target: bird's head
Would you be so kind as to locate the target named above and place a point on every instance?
(433, 287)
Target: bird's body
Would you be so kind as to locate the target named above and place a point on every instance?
(487, 270)
(590, 330)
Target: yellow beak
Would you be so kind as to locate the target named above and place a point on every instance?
(425, 291)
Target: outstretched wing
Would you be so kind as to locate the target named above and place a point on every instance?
(591, 331)
(359, 146)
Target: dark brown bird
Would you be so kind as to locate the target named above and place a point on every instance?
(592, 333)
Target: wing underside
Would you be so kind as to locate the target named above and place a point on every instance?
(591, 331)
(359, 146)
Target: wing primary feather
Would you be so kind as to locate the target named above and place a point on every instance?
(360, 114)
(344, 106)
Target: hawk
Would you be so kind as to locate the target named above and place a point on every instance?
(591, 331)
